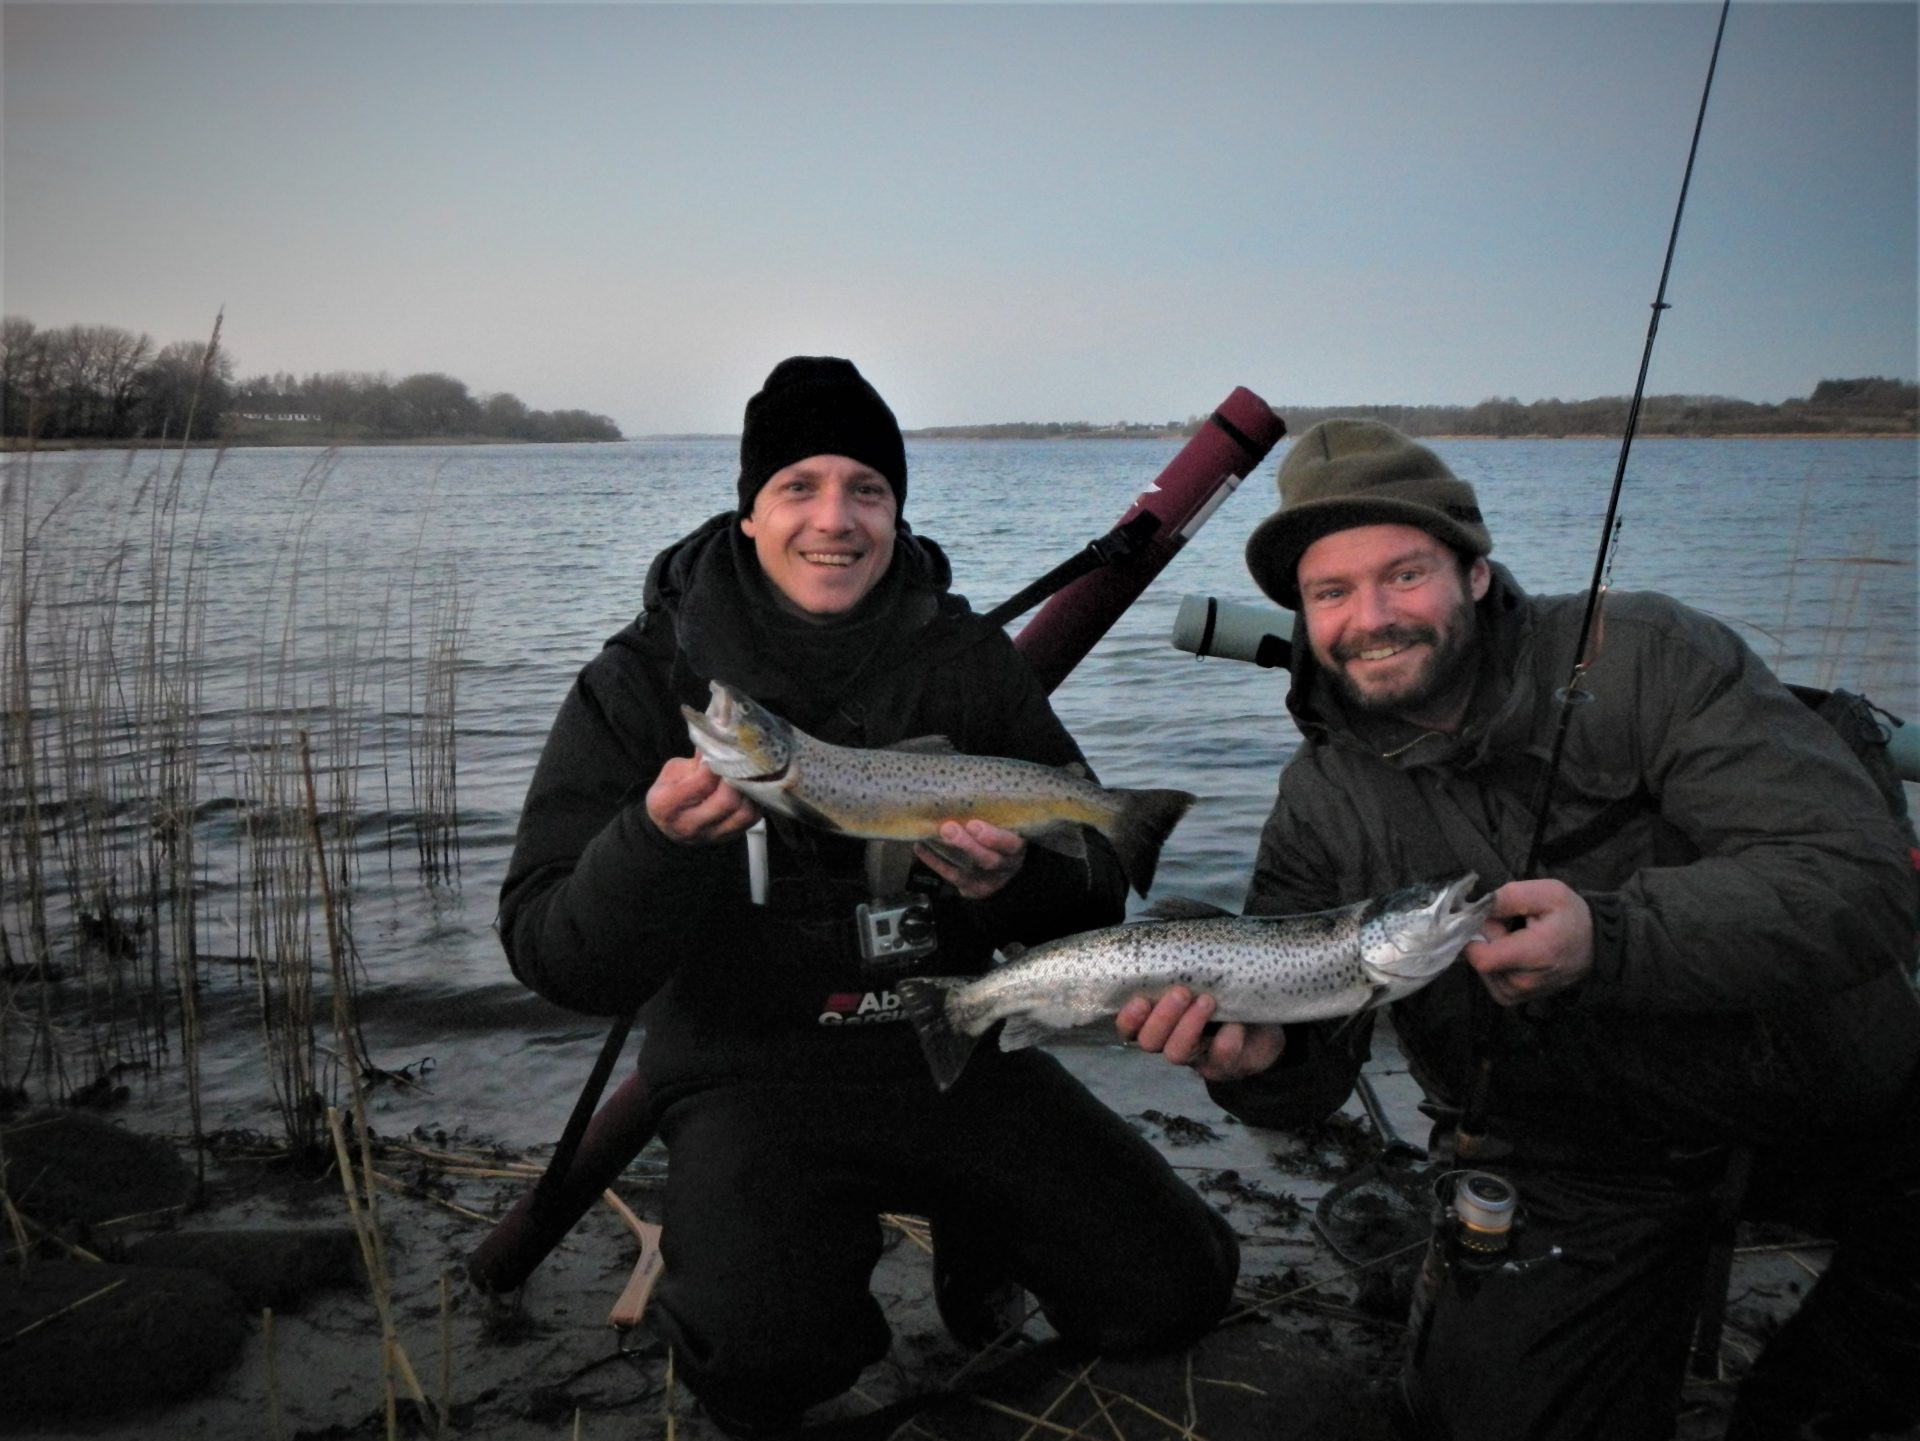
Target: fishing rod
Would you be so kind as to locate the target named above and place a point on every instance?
(1470, 1130)
(1571, 695)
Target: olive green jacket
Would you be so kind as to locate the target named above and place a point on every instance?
(1753, 901)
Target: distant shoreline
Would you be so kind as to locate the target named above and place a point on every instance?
(14, 444)
(17, 445)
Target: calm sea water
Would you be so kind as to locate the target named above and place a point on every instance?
(1808, 547)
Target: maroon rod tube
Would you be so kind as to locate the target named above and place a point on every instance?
(1235, 439)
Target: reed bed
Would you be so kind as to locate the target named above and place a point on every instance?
(148, 832)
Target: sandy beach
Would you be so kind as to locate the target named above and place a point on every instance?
(1310, 1349)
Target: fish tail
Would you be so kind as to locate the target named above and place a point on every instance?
(1141, 826)
(946, 1047)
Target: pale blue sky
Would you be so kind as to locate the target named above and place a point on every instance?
(1063, 212)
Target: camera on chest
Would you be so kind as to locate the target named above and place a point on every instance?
(895, 932)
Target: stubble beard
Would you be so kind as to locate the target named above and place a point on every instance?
(1444, 677)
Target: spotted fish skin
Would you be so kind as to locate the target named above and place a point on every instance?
(1258, 969)
(905, 793)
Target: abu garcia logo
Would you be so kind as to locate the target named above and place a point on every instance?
(861, 1008)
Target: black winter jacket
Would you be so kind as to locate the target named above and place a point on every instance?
(1753, 901)
(600, 912)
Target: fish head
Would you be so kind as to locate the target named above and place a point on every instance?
(1411, 935)
(740, 740)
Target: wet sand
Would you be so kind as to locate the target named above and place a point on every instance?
(1310, 1351)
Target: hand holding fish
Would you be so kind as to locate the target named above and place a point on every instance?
(1176, 1024)
(977, 858)
(1263, 971)
(1551, 950)
(694, 807)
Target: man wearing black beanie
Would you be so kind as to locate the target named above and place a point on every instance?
(796, 1107)
(818, 405)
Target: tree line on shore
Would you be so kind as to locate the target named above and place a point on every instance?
(1872, 405)
(102, 384)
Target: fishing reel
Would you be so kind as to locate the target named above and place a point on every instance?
(895, 932)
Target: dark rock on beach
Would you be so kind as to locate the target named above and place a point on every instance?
(69, 1168)
(162, 1314)
(88, 1340)
(277, 1267)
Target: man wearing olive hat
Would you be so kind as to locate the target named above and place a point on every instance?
(1698, 996)
(796, 1108)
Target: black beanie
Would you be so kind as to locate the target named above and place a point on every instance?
(818, 405)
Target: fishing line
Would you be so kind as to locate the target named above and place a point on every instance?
(1470, 1129)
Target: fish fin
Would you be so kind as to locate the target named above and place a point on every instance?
(1019, 1032)
(946, 852)
(923, 745)
(1063, 837)
(1142, 825)
(947, 1048)
(782, 826)
(1077, 768)
(1372, 1003)
(1010, 952)
(887, 865)
(1183, 908)
(812, 815)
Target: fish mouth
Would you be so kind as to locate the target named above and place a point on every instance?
(1427, 938)
(716, 735)
(1453, 915)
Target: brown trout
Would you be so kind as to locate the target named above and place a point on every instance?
(1261, 969)
(903, 793)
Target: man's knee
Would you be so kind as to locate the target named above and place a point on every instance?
(766, 1364)
(1165, 1307)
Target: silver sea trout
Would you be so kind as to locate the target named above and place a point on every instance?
(1260, 969)
(903, 793)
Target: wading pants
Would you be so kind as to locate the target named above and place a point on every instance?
(1593, 1342)
(772, 1231)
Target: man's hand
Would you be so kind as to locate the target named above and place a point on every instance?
(1176, 1027)
(983, 857)
(694, 807)
(1552, 951)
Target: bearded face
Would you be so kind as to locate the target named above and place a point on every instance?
(1390, 617)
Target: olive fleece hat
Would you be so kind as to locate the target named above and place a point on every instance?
(818, 405)
(1345, 472)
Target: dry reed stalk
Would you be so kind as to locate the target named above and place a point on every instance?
(279, 875)
(433, 759)
(1034, 1423)
(1058, 1401)
(446, 1356)
(402, 1188)
(25, 836)
(68, 1310)
(363, 1218)
(109, 725)
(363, 1209)
(16, 1223)
(276, 1419)
(1255, 1308)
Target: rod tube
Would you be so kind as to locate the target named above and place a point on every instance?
(1195, 482)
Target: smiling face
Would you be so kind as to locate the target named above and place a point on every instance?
(823, 530)
(1389, 612)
